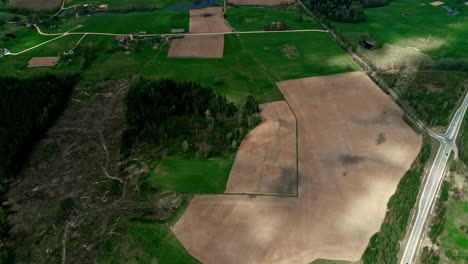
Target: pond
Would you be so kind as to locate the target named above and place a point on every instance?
(194, 5)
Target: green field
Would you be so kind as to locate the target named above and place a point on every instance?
(153, 22)
(454, 236)
(130, 4)
(188, 175)
(256, 18)
(25, 38)
(411, 23)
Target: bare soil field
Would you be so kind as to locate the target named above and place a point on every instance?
(42, 61)
(35, 4)
(260, 2)
(354, 148)
(197, 47)
(266, 160)
(207, 20)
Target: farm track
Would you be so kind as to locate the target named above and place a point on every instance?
(60, 35)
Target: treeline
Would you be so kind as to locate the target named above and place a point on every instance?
(184, 117)
(385, 244)
(27, 105)
(348, 11)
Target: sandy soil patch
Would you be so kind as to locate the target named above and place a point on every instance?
(35, 4)
(260, 2)
(197, 47)
(437, 3)
(42, 61)
(266, 160)
(207, 20)
(345, 181)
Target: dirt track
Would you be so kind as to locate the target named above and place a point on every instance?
(42, 61)
(266, 160)
(354, 148)
(207, 20)
(260, 2)
(197, 47)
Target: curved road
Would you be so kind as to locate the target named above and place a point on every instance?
(434, 180)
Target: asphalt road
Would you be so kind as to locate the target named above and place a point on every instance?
(434, 180)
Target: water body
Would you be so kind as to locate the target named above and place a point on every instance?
(194, 5)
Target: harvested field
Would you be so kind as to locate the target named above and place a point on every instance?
(207, 20)
(197, 47)
(260, 2)
(35, 4)
(346, 177)
(437, 3)
(266, 160)
(42, 61)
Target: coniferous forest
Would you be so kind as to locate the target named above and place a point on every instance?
(185, 117)
(28, 106)
(348, 11)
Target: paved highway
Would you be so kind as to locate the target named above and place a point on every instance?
(434, 180)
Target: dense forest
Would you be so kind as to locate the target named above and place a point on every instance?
(184, 117)
(27, 105)
(348, 11)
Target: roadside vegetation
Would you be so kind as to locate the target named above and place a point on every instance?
(29, 106)
(385, 244)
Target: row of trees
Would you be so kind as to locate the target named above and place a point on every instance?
(27, 105)
(385, 244)
(184, 116)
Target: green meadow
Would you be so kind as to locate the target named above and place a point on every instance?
(455, 235)
(256, 18)
(188, 175)
(415, 24)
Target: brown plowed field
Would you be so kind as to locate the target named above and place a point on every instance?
(266, 160)
(260, 2)
(43, 61)
(35, 4)
(197, 47)
(354, 148)
(207, 20)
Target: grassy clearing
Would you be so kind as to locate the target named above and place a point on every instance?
(256, 18)
(151, 22)
(188, 175)
(455, 235)
(24, 37)
(130, 4)
(411, 24)
(145, 242)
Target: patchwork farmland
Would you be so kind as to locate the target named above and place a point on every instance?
(236, 131)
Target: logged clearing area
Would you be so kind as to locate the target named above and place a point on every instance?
(266, 160)
(42, 61)
(260, 2)
(353, 148)
(197, 47)
(207, 20)
(35, 4)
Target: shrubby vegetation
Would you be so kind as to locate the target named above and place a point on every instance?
(385, 244)
(439, 92)
(28, 106)
(184, 117)
(440, 209)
